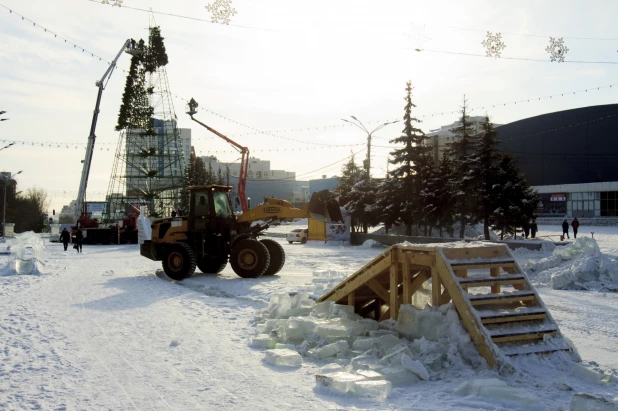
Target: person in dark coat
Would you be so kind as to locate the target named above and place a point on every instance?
(79, 240)
(565, 228)
(533, 229)
(65, 237)
(575, 225)
(526, 226)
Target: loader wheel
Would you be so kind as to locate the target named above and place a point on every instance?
(249, 258)
(212, 265)
(277, 256)
(179, 261)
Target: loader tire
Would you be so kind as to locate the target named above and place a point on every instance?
(212, 265)
(249, 258)
(277, 256)
(179, 261)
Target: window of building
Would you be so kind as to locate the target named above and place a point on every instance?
(609, 208)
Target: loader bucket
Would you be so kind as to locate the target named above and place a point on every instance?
(324, 207)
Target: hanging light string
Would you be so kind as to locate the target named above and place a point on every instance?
(530, 35)
(510, 58)
(185, 17)
(257, 131)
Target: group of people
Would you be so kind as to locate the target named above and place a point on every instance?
(65, 237)
(530, 228)
(565, 228)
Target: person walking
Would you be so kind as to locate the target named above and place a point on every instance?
(65, 237)
(533, 229)
(575, 225)
(526, 226)
(565, 229)
(79, 240)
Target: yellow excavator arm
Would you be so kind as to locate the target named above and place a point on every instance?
(322, 207)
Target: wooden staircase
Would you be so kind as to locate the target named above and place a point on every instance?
(494, 298)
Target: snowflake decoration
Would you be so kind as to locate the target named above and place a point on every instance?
(493, 44)
(113, 2)
(556, 49)
(221, 11)
(418, 36)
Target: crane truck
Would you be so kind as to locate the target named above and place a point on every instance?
(124, 231)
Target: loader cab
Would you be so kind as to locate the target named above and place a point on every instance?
(209, 204)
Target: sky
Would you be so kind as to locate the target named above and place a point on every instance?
(281, 76)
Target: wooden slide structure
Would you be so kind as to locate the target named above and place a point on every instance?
(494, 298)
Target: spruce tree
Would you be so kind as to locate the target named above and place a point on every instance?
(486, 173)
(351, 174)
(462, 151)
(514, 199)
(405, 185)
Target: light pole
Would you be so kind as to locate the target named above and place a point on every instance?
(360, 125)
(6, 180)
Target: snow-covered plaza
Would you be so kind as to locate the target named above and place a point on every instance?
(107, 329)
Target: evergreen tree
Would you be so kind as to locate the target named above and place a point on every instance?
(155, 55)
(515, 200)
(351, 174)
(486, 173)
(404, 187)
(463, 153)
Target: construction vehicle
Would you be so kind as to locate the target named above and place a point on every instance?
(211, 235)
(93, 232)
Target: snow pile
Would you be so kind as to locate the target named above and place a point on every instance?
(580, 265)
(497, 391)
(585, 402)
(372, 244)
(27, 253)
(473, 232)
(325, 280)
(361, 356)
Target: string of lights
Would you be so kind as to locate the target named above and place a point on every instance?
(314, 128)
(187, 17)
(530, 35)
(512, 58)
(48, 144)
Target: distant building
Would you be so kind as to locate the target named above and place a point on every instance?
(438, 139)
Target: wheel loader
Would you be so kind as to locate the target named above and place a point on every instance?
(211, 235)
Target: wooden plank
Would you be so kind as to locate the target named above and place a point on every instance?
(506, 279)
(522, 337)
(461, 272)
(504, 300)
(469, 320)
(418, 281)
(357, 280)
(513, 318)
(481, 265)
(495, 272)
(487, 283)
(473, 252)
(394, 295)
(445, 297)
(386, 315)
(428, 260)
(407, 283)
(377, 288)
(436, 288)
(351, 299)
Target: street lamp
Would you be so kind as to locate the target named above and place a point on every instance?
(6, 180)
(360, 125)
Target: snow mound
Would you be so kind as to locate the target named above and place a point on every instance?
(498, 391)
(360, 356)
(578, 266)
(371, 244)
(471, 232)
(28, 252)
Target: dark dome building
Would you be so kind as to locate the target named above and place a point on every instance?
(571, 157)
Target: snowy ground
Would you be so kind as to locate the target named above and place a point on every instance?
(107, 330)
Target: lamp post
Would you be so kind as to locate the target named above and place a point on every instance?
(360, 125)
(6, 180)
